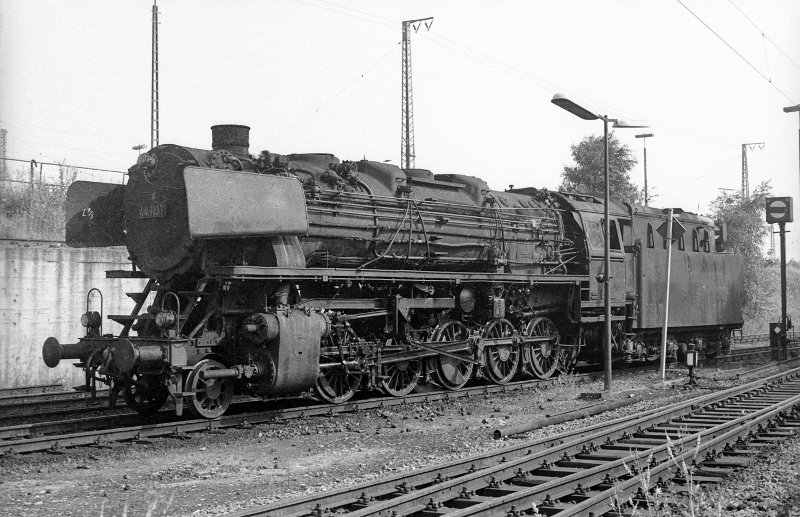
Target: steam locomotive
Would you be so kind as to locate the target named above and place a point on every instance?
(277, 274)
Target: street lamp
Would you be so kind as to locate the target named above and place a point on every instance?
(139, 147)
(579, 111)
(644, 137)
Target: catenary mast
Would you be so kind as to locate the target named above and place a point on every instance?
(407, 129)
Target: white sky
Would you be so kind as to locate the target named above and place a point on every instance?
(324, 76)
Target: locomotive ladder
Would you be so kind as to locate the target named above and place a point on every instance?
(127, 320)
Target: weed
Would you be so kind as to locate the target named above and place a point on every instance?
(659, 499)
(155, 504)
(35, 210)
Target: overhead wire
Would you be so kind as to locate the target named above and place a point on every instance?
(330, 99)
(60, 130)
(764, 35)
(510, 70)
(361, 76)
(490, 61)
(759, 72)
(372, 15)
(347, 14)
(52, 143)
(702, 175)
(36, 162)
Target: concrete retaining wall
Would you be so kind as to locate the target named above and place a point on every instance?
(43, 293)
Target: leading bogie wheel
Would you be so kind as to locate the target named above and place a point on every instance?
(447, 371)
(543, 356)
(212, 397)
(401, 377)
(144, 393)
(502, 361)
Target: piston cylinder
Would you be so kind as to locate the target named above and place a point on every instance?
(127, 355)
(291, 339)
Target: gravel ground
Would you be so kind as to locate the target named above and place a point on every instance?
(212, 474)
(771, 487)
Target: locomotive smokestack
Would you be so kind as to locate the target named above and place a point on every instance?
(232, 137)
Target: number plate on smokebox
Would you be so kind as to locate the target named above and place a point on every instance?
(155, 211)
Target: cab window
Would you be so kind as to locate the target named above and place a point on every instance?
(615, 242)
(594, 234)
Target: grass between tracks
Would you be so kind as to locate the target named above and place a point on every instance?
(157, 505)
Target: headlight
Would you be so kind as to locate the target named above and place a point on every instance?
(91, 320)
(166, 319)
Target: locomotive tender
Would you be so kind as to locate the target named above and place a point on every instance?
(278, 274)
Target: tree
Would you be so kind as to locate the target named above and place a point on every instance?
(747, 233)
(745, 219)
(587, 175)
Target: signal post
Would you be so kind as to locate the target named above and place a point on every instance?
(779, 210)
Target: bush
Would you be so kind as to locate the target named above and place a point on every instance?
(35, 211)
(764, 303)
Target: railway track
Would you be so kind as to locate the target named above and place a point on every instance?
(49, 404)
(754, 351)
(19, 403)
(100, 430)
(38, 399)
(91, 428)
(582, 472)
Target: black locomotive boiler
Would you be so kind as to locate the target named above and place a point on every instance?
(275, 274)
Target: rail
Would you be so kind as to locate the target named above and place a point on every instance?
(575, 472)
(56, 435)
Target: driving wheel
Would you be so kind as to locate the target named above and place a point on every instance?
(449, 372)
(542, 356)
(502, 361)
(400, 377)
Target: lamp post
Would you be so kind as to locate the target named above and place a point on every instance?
(644, 137)
(139, 147)
(579, 111)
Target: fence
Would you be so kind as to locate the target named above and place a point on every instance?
(32, 197)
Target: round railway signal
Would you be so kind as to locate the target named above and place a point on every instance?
(779, 210)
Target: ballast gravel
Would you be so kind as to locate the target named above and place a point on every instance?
(213, 474)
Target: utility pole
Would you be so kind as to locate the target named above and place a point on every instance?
(644, 137)
(154, 82)
(407, 114)
(745, 178)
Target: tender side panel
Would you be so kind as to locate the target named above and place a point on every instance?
(705, 288)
